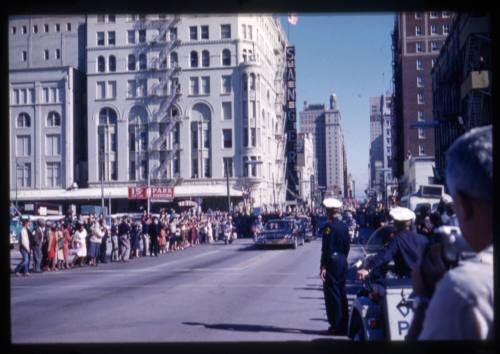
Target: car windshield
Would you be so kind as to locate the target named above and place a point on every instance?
(278, 225)
(381, 236)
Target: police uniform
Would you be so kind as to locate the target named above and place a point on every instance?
(405, 248)
(334, 252)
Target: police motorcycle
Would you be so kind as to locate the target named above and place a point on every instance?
(383, 309)
(229, 234)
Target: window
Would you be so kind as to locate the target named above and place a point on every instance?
(244, 33)
(23, 145)
(245, 137)
(112, 63)
(434, 14)
(204, 32)
(55, 94)
(112, 89)
(205, 59)
(253, 136)
(13, 29)
(174, 60)
(206, 137)
(193, 33)
(254, 110)
(249, 32)
(144, 169)
(131, 62)
(142, 88)
(111, 38)
(194, 168)
(101, 64)
(194, 59)
(24, 55)
(446, 28)
(194, 86)
(46, 54)
(421, 133)
(226, 57)
(421, 150)
(244, 55)
(420, 66)
(111, 18)
(100, 18)
(225, 31)
(46, 94)
(418, 15)
(206, 162)
(420, 116)
(245, 166)
(24, 175)
(23, 121)
(418, 47)
(173, 34)
(58, 54)
(131, 88)
(35, 29)
(418, 31)
(205, 85)
(58, 27)
(227, 136)
(131, 37)
(420, 98)
(131, 171)
(433, 30)
(420, 81)
(52, 145)
(254, 166)
(432, 63)
(143, 63)
(53, 120)
(226, 84)
(228, 166)
(68, 27)
(434, 46)
(45, 28)
(227, 111)
(24, 30)
(142, 36)
(101, 90)
(100, 38)
(445, 14)
(53, 174)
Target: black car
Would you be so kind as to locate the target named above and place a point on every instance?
(306, 228)
(280, 232)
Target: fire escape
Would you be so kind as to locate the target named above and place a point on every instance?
(162, 94)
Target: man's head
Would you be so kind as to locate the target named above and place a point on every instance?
(469, 177)
(403, 218)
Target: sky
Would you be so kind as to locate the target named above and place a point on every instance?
(349, 55)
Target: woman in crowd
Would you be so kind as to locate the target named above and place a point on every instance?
(115, 256)
(80, 245)
(162, 240)
(67, 240)
(95, 241)
(52, 248)
(135, 240)
(60, 246)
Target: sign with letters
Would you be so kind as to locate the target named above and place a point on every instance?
(399, 312)
(162, 194)
(135, 193)
(291, 125)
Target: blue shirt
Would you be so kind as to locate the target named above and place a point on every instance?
(335, 240)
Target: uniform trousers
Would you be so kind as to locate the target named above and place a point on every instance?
(335, 293)
(124, 247)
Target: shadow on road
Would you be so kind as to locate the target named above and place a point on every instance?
(256, 328)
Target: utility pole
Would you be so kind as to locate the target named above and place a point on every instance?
(102, 178)
(226, 162)
(149, 187)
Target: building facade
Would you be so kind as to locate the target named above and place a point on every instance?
(180, 100)
(305, 166)
(47, 108)
(417, 39)
(461, 82)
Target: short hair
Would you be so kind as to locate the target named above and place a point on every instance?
(469, 165)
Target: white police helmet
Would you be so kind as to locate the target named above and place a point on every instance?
(331, 203)
(446, 198)
(402, 214)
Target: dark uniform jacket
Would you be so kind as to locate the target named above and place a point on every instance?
(124, 229)
(335, 240)
(405, 248)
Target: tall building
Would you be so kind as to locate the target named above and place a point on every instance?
(328, 143)
(461, 83)
(305, 166)
(380, 144)
(174, 100)
(417, 39)
(47, 108)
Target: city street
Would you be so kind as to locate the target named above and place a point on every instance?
(208, 293)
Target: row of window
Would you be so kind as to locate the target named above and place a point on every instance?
(433, 30)
(52, 145)
(434, 46)
(46, 28)
(433, 14)
(52, 176)
(24, 120)
(27, 96)
(225, 32)
(46, 55)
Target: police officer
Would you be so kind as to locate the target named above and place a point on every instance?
(333, 273)
(404, 248)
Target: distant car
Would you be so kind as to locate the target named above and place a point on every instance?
(280, 232)
(306, 227)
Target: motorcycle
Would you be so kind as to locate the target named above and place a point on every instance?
(229, 236)
(383, 308)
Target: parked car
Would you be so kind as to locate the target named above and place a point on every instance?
(284, 232)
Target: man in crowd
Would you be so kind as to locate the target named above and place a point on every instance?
(333, 267)
(257, 227)
(124, 237)
(38, 245)
(458, 304)
(24, 248)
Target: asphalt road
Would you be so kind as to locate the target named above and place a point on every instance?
(207, 293)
